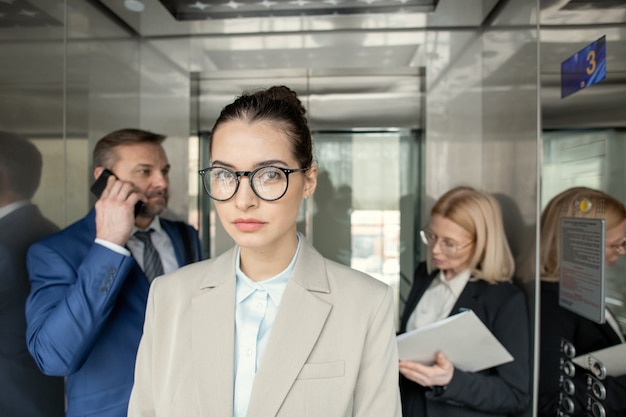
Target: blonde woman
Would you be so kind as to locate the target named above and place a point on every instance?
(469, 266)
(558, 323)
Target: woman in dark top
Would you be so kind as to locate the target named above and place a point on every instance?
(469, 266)
(558, 323)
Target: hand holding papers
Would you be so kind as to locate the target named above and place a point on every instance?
(463, 338)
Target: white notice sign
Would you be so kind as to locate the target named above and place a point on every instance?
(581, 287)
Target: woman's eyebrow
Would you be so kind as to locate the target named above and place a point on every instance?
(257, 165)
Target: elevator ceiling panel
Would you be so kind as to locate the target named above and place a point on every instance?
(183, 10)
(349, 47)
(182, 17)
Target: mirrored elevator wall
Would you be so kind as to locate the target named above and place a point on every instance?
(461, 95)
(468, 101)
(457, 105)
(80, 75)
(461, 106)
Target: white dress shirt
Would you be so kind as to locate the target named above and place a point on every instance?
(610, 318)
(10, 208)
(162, 243)
(438, 300)
(256, 309)
(160, 240)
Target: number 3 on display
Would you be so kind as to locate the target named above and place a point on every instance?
(591, 59)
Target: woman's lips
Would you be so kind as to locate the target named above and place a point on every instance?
(248, 225)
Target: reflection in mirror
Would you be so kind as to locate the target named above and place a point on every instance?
(583, 146)
(25, 389)
(563, 331)
(593, 158)
(332, 235)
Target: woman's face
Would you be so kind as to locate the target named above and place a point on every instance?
(252, 222)
(452, 247)
(615, 243)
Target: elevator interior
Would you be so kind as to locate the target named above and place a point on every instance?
(406, 98)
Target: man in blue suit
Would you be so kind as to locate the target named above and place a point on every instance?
(90, 281)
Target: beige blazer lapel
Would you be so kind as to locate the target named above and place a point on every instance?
(299, 322)
(213, 338)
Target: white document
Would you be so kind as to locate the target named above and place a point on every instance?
(613, 358)
(463, 338)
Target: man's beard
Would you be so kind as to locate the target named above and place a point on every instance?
(151, 209)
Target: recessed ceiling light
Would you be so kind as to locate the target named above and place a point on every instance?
(134, 5)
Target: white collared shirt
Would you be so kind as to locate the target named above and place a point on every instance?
(162, 243)
(438, 300)
(160, 240)
(256, 309)
(10, 208)
(610, 318)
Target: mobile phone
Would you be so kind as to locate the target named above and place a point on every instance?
(100, 184)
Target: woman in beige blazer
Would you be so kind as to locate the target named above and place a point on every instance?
(270, 328)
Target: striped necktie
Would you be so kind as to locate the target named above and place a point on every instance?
(152, 265)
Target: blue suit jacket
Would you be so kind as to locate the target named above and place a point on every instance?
(85, 314)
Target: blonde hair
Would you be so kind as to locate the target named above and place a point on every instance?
(581, 202)
(479, 213)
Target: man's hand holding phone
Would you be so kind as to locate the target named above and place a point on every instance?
(116, 208)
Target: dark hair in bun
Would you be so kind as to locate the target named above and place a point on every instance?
(277, 104)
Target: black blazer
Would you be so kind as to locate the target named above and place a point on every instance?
(500, 391)
(25, 392)
(587, 336)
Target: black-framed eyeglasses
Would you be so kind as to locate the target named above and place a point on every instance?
(448, 247)
(269, 183)
(619, 248)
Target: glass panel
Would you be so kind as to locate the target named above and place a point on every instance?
(32, 93)
(365, 180)
(591, 158)
(32, 108)
(102, 86)
(583, 145)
